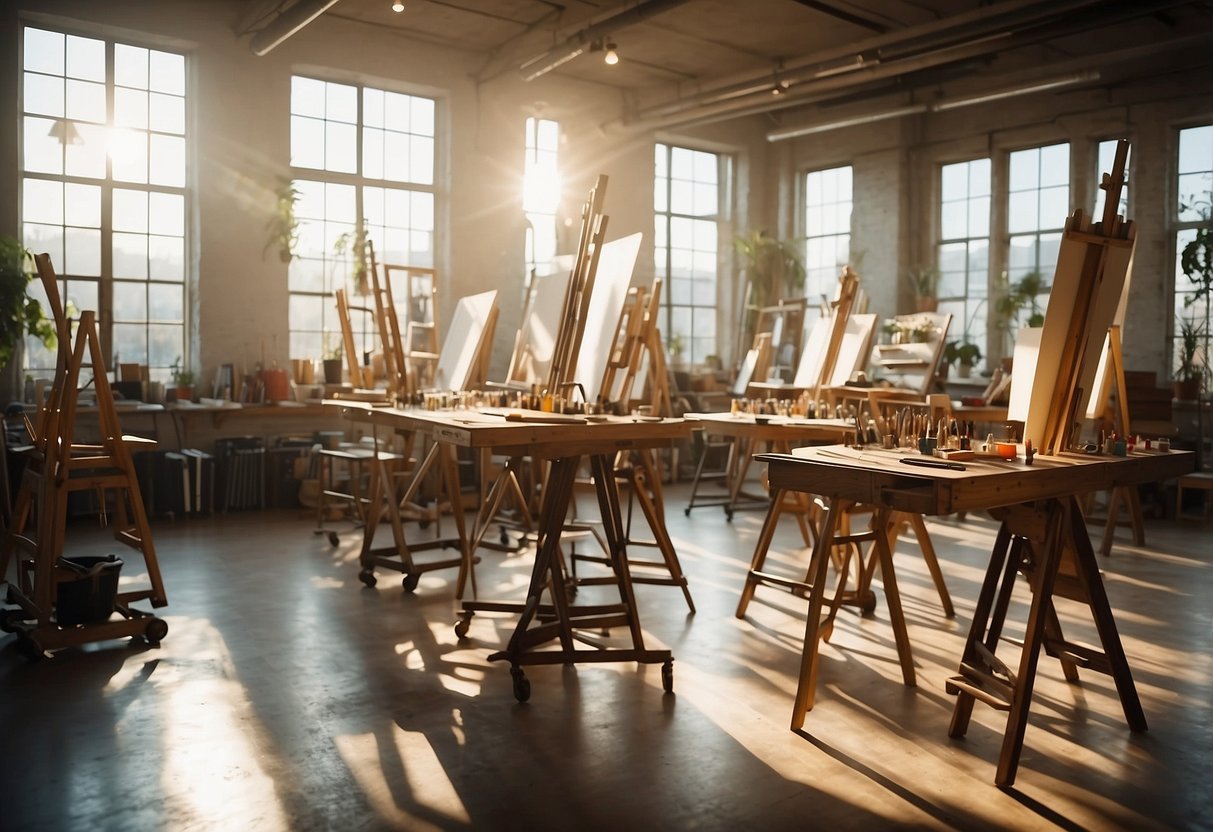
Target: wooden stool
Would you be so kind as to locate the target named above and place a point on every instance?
(1198, 481)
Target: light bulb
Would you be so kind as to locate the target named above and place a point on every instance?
(398, 6)
(611, 57)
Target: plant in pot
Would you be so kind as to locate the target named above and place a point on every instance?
(20, 315)
(925, 282)
(1016, 298)
(352, 245)
(967, 356)
(332, 364)
(283, 226)
(183, 381)
(1189, 369)
(773, 267)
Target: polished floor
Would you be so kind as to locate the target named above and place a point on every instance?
(287, 696)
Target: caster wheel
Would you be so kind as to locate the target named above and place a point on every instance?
(868, 603)
(686, 512)
(367, 576)
(667, 676)
(728, 516)
(461, 627)
(156, 630)
(423, 524)
(505, 538)
(333, 541)
(410, 582)
(522, 685)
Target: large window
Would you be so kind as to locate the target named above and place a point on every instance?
(541, 192)
(1038, 203)
(964, 248)
(827, 230)
(363, 161)
(1194, 188)
(103, 190)
(687, 202)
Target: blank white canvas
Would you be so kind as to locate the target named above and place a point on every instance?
(611, 282)
(463, 340)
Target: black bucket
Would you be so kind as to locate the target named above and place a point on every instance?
(88, 595)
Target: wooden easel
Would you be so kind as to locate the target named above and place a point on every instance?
(580, 288)
(419, 349)
(57, 466)
(1047, 541)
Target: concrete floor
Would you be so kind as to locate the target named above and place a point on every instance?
(288, 696)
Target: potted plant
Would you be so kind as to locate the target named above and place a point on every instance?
(1189, 372)
(353, 244)
(675, 346)
(925, 282)
(774, 268)
(332, 364)
(967, 356)
(19, 313)
(1014, 299)
(283, 226)
(183, 381)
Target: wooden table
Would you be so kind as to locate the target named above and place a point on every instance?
(565, 441)
(1042, 534)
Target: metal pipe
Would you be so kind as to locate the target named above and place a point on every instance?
(287, 24)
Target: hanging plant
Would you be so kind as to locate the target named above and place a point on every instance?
(283, 226)
(19, 313)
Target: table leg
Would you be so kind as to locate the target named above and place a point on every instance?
(819, 564)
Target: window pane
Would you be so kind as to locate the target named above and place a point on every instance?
(82, 205)
(43, 94)
(88, 158)
(166, 214)
(341, 103)
(167, 72)
(47, 239)
(128, 155)
(130, 302)
(340, 148)
(86, 101)
(167, 258)
(82, 251)
(43, 51)
(421, 160)
(166, 113)
(130, 66)
(42, 201)
(130, 108)
(167, 160)
(85, 58)
(422, 112)
(130, 255)
(41, 153)
(307, 142)
(130, 210)
(165, 303)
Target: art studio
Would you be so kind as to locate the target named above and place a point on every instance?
(600, 414)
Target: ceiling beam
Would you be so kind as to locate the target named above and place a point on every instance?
(581, 40)
(826, 8)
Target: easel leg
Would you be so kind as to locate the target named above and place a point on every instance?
(760, 551)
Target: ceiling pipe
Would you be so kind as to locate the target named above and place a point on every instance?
(1026, 88)
(287, 24)
(580, 41)
(840, 77)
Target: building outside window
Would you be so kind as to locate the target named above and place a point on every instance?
(363, 163)
(688, 200)
(963, 250)
(104, 161)
(827, 230)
